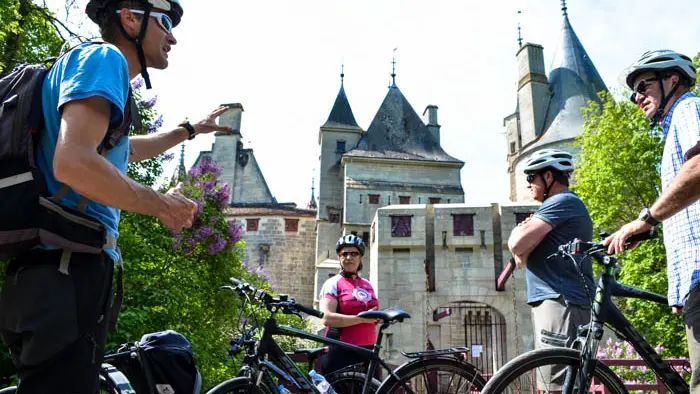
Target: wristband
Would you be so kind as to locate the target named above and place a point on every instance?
(190, 130)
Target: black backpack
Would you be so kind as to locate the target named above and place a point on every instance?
(28, 215)
(167, 365)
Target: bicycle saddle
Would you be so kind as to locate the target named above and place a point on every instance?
(387, 315)
(313, 352)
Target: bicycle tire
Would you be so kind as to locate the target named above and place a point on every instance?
(513, 377)
(435, 375)
(9, 390)
(351, 382)
(239, 385)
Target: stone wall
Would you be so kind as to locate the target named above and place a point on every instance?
(249, 185)
(465, 273)
(287, 256)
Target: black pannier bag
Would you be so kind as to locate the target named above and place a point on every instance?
(167, 364)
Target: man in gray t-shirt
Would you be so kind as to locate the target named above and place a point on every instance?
(554, 287)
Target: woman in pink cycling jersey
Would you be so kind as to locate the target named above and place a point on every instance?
(342, 297)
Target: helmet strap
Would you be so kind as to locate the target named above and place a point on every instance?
(547, 188)
(659, 115)
(138, 42)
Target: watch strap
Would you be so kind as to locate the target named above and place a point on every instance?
(190, 129)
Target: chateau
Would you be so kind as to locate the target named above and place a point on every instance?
(395, 186)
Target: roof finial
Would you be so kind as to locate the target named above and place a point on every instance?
(312, 203)
(342, 74)
(520, 37)
(563, 7)
(181, 172)
(393, 68)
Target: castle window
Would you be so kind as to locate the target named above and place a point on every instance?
(463, 224)
(435, 200)
(512, 147)
(340, 146)
(251, 225)
(521, 216)
(334, 218)
(373, 198)
(291, 225)
(365, 237)
(401, 226)
(404, 199)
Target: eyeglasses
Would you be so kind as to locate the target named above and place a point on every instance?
(348, 254)
(163, 19)
(642, 88)
(531, 178)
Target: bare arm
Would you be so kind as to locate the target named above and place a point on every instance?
(525, 238)
(147, 146)
(78, 165)
(338, 320)
(683, 191)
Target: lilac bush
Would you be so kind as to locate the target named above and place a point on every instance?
(211, 233)
(632, 374)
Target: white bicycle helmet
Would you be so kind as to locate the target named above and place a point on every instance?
(656, 61)
(550, 158)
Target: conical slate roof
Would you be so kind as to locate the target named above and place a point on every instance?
(397, 132)
(341, 115)
(574, 81)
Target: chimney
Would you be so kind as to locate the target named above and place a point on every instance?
(232, 117)
(431, 121)
(533, 92)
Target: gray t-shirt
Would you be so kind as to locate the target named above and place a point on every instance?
(551, 278)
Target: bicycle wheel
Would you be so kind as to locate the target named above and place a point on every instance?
(240, 385)
(435, 376)
(9, 390)
(351, 382)
(549, 370)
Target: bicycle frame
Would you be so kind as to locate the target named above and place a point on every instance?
(605, 312)
(289, 370)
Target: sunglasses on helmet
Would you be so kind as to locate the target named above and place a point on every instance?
(163, 19)
(642, 88)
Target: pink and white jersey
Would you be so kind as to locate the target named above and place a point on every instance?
(353, 296)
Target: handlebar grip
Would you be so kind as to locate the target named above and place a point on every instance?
(236, 282)
(642, 237)
(505, 275)
(309, 311)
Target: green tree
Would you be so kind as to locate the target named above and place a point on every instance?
(619, 173)
(29, 32)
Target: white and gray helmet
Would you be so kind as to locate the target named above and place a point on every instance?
(657, 61)
(549, 158)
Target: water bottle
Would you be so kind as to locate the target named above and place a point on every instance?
(283, 390)
(321, 383)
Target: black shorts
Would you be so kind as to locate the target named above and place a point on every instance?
(55, 325)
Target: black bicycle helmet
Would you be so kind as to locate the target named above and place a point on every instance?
(99, 11)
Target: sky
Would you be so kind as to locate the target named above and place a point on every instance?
(282, 60)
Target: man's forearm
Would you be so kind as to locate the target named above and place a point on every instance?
(147, 146)
(92, 176)
(682, 192)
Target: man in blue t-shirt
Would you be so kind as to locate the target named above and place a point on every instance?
(55, 304)
(560, 301)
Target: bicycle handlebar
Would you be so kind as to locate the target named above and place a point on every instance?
(283, 302)
(596, 249)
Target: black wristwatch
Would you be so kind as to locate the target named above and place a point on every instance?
(190, 130)
(646, 217)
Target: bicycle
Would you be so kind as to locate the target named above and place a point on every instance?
(435, 371)
(578, 362)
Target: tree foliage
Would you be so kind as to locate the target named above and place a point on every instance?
(619, 174)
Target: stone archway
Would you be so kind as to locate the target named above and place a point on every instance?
(479, 327)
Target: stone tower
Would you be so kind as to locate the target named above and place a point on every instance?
(548, 112)
(339, 134)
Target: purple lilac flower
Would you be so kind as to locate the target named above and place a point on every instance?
(168, 156)
(221, 196)
(137, 83)
(263, 274)
(235, 232)
(218, 245)
(209, 167)
(202, 233)
(148, 104)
